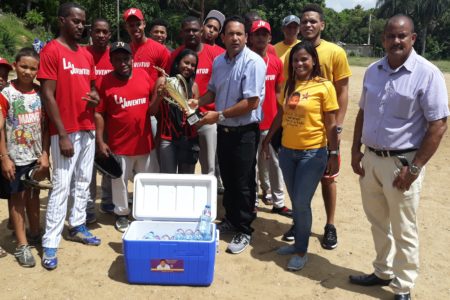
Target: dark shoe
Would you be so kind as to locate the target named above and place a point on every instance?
(220, 190)
(369, 280)
(106, 208)
(226, 227)
(289, 235)
(403, 297)
(329, 240)
(283, 211)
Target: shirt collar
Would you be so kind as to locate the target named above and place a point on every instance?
(409, 64)
(237, 57)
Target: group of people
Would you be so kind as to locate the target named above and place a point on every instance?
(276, 109)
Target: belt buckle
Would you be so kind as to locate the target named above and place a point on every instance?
(226, 129)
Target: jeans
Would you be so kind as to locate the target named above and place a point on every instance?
(236, 151)
(302, 171)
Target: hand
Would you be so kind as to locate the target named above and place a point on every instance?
(356, 162)
(103, 149)
(65, 146)
(92, 98)
(404, 179)
(332, 166)
(44, 165)
(209, 117)
(161, 89)
(265, 148)
(193, 103)
(8, 168)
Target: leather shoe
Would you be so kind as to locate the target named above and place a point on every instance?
(403, 297)
(369, 280)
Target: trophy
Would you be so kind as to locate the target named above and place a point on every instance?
(173, 87)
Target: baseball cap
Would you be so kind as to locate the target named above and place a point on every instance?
(289, 19)
(215, 14)
(260, 24)
(4, 61)
(133, 12)
(120, 46)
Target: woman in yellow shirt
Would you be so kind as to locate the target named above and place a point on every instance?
(307, 115)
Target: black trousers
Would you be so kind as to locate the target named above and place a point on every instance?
(236, 151)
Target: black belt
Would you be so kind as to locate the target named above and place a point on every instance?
(239, 129)
(395, 153)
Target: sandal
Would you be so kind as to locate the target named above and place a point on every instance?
(2, 252)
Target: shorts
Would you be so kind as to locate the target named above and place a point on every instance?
(16, 186)
(325, 175)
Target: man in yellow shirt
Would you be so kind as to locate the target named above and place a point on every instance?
(291, 29)
(334, 67)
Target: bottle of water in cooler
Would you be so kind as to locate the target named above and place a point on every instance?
(204, 226)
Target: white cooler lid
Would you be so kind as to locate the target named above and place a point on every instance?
(173, 197)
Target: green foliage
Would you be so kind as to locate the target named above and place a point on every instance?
(13, 35)
(34, 18)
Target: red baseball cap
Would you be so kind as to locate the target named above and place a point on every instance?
(4, 62)
(260, 24)
(133, 12)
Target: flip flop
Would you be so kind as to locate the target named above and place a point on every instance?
(2, 252)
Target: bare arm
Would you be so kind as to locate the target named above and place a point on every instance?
(341, 87)
(242, 107)
(428, 147)
(357, 155)
(48, 88)
(157, 96)
(102, 147)
(8, 167)
(330, 127)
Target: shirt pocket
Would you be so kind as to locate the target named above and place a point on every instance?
(403, 106)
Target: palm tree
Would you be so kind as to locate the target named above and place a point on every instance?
(425, 13)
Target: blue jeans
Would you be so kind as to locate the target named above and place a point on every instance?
(302, 171)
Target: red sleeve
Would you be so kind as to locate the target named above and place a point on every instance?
(48, 65)
(165, 54)
(4, 105)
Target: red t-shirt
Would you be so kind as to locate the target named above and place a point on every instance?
(149, 54)
(271, 49)
(204, 68)
(125, 107)
(73, 72)
(101, 60)
(274, 76)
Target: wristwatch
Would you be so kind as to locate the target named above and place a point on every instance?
(414, 169)
(333, 152)
(221, 116)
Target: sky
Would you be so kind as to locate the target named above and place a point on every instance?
(339, 5)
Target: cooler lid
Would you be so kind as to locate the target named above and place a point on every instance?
(173, 197)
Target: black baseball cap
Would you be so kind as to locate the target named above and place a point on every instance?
(120, 46)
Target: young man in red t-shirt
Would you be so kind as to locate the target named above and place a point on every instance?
(146, 54)
(100, 35)
(67, 75)
(191, 32)
(125, 96)
(269, 171)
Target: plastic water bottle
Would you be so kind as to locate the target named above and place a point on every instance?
(204, 226)
(149, 236)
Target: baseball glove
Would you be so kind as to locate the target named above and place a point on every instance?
(35, 179)
(108, 165)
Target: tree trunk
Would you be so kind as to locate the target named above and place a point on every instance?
(423, 40)
(28, 5)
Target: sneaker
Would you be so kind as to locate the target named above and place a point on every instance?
(286, 250)
(329, 240)
(267, 197)
(91, 218)
(289, 235)
(226, 227)
(122, 223)
(49, 259)
(297, 262)
(24, 256)
(239, 242)
(283, 211)
(82, 235)
(106, 208)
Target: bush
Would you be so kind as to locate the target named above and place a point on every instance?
(34, 18)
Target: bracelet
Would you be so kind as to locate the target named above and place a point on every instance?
(3, 155)
(333, 152)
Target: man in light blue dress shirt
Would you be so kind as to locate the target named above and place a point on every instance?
(401, 121)
(238, 87)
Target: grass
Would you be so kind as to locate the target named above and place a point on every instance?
(443, 65)
(13, 35)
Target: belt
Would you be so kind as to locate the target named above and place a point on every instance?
(238, 129)
(394, 153)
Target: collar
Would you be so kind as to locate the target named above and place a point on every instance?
(237, 57)
(408, 65)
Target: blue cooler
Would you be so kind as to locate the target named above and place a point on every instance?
(163, 204)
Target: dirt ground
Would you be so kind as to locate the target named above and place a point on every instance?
(258, 273)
